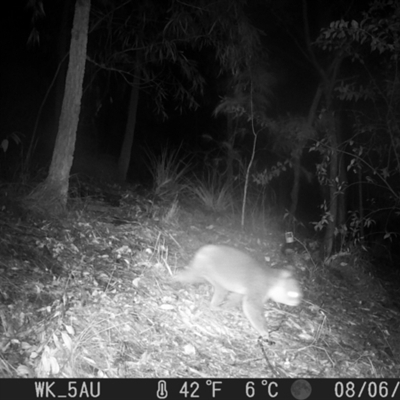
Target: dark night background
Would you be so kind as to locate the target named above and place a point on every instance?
(27, 71)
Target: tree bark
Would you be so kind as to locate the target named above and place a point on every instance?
(62, 56)
(53, 193)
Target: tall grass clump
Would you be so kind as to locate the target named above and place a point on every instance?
(213, 193)
(167, 171)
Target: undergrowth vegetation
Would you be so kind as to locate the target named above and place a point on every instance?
(172, 177)
(168, 171)
(213, 193)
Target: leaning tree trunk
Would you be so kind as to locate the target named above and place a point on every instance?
(53, 193)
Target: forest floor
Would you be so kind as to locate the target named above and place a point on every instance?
(90, 295)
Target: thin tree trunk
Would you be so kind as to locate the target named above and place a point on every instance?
(342, 196)
(53, 193)
(360, 204)
(126, 150)
(230, 139)
(333, 188)
(296, 157)
(294, 195)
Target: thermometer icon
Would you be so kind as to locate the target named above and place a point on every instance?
(162, 390)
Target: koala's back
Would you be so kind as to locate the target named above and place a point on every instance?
(231, 270)
(235, 271)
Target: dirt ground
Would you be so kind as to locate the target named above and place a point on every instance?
(90, 295)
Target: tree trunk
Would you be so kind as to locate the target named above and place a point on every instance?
(333, 189)
(342, 196)
(230, 142)
(296, 159)
(360, 204)
(294, 195)
(337, 186)
(62, 53)
(53, 193)
(126, 150)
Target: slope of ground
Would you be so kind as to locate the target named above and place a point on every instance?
(90, 295)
